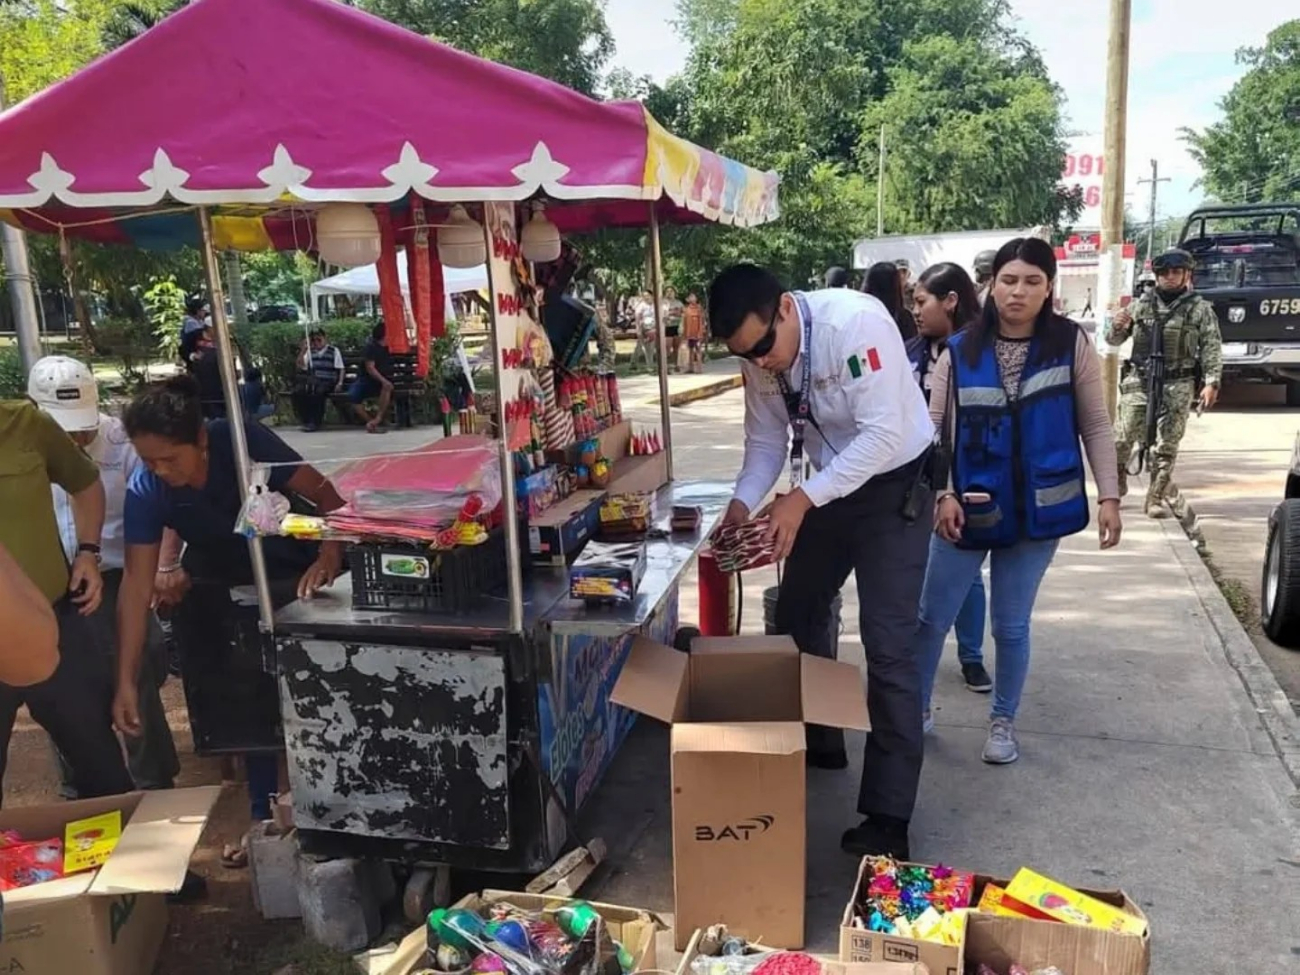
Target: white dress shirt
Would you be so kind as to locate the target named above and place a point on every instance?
(117, 460)
(864, 398)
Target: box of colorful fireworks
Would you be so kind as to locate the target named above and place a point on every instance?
(714, 951)
(501, 932)
(908, 913)
(1032, 925)
(608, 572)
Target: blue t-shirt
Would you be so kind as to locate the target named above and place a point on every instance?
(205, 514)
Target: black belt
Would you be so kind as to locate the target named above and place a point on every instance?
(906, 472)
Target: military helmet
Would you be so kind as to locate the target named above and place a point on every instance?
(1174, 257)
(984, 262)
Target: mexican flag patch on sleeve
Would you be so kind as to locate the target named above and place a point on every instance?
(868, 361)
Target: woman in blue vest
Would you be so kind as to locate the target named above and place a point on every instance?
(946, 301)
(1016, 394)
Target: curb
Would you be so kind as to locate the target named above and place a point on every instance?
(1275, 712)
(707, 391)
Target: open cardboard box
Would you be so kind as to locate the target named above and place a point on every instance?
(108, 921)
(830, 966)
(998, 941)
(633, 928)
(737, 707)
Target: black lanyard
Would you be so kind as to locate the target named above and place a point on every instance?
(799, 410)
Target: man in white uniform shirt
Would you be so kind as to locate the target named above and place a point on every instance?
(826, 372)
(66, 390)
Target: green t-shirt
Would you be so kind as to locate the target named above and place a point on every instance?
(35, 452)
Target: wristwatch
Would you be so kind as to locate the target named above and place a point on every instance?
(90, 547)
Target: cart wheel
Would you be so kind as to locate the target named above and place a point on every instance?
(682, 640)
(429, 887)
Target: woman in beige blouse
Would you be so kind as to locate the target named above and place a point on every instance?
(1017, 392)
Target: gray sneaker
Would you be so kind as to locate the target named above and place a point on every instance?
(1002, 747)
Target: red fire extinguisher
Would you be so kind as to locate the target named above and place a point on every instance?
(717, 591)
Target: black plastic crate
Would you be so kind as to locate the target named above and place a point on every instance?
(413, 578)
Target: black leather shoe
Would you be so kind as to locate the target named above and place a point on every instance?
(977, 678)
(832, 760)
(877, 837)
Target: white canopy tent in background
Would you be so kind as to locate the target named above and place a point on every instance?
(924, 250)
(365, 281)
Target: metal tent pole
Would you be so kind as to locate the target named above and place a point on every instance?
(656, 291)
(514, 557)
(234, 410)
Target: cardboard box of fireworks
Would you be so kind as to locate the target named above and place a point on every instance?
(737, 708)
(109, 916)
(560, 531)
(1001, 930)
(701, 959)
(633, 930)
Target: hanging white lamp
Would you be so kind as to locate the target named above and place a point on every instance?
(347, 234)
(461, 243)
(540, 240)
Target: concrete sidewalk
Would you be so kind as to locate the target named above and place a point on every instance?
(1151, 738)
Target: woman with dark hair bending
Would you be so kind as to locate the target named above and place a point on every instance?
(946, 301)
(187, 491)
(884, 282)
(1015, 393)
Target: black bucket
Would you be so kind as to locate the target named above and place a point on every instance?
(769, 613)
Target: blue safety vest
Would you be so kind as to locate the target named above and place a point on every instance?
(1024, 453)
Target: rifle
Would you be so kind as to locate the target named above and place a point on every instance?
(1155, 384)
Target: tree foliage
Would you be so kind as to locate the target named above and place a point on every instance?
(565, 40)
(1253, 153)
(973, 122)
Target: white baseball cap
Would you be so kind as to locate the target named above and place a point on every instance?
(65, 389)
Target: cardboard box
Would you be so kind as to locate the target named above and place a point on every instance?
(559, 532)
(635, 929)
(999, 941)
(857, 945)
(829, 965)
(646, 473)
(737, 709)
(110, 921)
(613, 444)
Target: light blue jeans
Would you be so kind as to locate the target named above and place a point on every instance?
(1014, 574)
(969, 627)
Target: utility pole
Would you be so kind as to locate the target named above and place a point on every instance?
(1111, 270)
(1155, 180)
(18, 276)
(880, 188)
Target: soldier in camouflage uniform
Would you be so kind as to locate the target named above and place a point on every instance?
(1193, 349)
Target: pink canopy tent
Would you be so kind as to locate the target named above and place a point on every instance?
(252, 106)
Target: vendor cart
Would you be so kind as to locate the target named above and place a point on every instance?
(466, 739)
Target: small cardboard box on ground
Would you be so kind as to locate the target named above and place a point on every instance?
(999, 942)
(632, 927)
(108, 921)
(996, 939)
(737, 707)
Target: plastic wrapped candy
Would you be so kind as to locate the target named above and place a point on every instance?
(449, 958)
(263, 510)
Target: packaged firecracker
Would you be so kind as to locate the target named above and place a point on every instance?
(1065, 904)
(608, 572)
(506, 940)
(27, 862)
(616, 404)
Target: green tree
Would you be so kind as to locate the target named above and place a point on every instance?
(565, 40)
(802, 86)
(1253, 153)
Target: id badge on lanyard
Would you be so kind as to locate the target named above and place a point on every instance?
(799, 412)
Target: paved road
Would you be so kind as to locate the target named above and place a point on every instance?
(1232, 468)
(1144, 756)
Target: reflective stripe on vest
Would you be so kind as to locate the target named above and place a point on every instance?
(1025, 454)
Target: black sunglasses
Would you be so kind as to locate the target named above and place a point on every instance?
(764, 345)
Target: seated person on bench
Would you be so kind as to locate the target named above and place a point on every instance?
(320, 376)
(374, 379)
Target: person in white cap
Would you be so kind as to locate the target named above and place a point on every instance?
(75, 704)
(66, 389)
